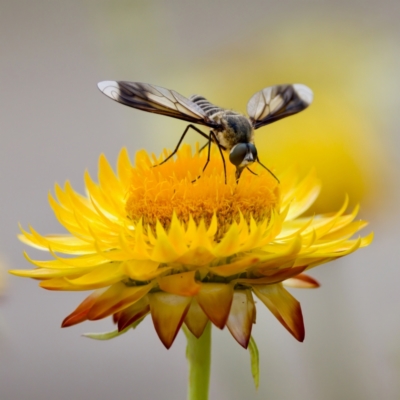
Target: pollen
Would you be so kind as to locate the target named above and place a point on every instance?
(181, 186)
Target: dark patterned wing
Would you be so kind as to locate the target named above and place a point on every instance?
(276, 102)
(155, 99)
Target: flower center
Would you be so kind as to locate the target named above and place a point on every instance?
(181, 186)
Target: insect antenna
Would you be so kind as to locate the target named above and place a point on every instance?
(258, 160)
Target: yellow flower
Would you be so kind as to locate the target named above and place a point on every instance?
(189, 249)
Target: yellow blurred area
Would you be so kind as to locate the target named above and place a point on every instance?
(337, 136)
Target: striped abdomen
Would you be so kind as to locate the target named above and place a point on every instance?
(209, 108)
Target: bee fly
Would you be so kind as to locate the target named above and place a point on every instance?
(229, 130)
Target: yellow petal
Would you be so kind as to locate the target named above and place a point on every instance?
(108, 179)
(124, 167)
(142, 270)
(229, 243)
(163, 251)
(198, 256)
(235, 267)
(86, 261)
(44, 273)
(104, 275)
(141, 245)
(168, 312)
(62, 284)
(201, 239)
(304, 195)
(175, 234)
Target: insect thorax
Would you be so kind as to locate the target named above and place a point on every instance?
(234, 127)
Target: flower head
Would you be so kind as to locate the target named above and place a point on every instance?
(180, 244)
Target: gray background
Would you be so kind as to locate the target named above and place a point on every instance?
(54, 124)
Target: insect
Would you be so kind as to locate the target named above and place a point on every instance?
(229, 130)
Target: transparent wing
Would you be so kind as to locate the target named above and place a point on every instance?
(155, 99)
(276, 102)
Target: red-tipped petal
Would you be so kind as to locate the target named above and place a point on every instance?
(215, 299)
(284, 306)
(182, 284)
(195, 319)
(132, 313)
(168, 312)
(80, 313)
(242, 316)
(302, 281)
(116, 298)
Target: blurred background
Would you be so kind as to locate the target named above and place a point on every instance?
(55, 123)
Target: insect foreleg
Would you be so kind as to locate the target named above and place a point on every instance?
(208, 157)
(212, 138)
(203, 147)
(252, 171)
(258, 160)
(181, 139)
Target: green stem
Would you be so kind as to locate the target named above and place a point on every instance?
(198, 354)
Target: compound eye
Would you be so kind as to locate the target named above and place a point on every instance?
(238, 153)
(253, 150)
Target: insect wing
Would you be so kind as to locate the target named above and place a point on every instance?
(276, 102)
(155, 99)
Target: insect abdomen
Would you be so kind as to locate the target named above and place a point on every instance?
(209, 108)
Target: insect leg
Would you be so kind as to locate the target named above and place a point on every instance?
(180, 141)
(203, 147)
(212, 134)
(212, 138)
(258, 160)
(208, 157)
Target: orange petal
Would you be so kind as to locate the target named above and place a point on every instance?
(132, 313)
(195, 319)
(116, 298)
(272, 276)
(242, 316)
(181, 284)
(168, 312)
(284, 306)
(80, 313)
(215, 299)
(302, 281)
